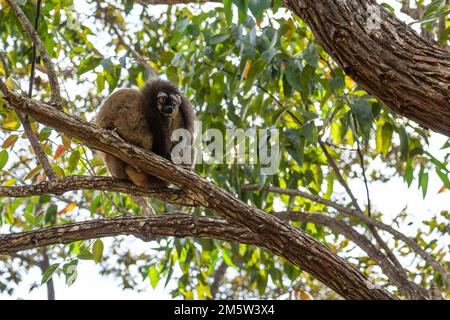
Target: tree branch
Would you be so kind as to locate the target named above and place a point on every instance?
(380, 225)
(372, 229)
(408, 288)
(53, 79)
(387, 58)
(25, 121)
(279, 237)
(71, 183)
(139, 58)
(146, 228)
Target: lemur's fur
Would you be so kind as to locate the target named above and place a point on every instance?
(145, 118)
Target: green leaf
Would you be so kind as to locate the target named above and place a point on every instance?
(227, 259)
(434, 9)
(310, 55)
(100, 82)
(181, 25)
(97, 250)
(257, 7)
(293, 73)
(386, 134)
(403, 144)
(409, 174)
(70, 271)
(424, 184)
(421, 174)
(153, 274)
(45, 133)
(89, 62)
(242, 6)
(310, 132)
(219, 38)
(261, 281)
(50, 215)
(269, 54)
(49, 273)
(444, 178)
(228, 11)
(73, 160)
(85, 254)
(3, 158)
(363, 113)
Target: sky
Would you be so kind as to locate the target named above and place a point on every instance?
(389, 198)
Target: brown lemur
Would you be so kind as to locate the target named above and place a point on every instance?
(147, 119)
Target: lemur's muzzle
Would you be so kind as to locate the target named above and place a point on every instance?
(168, 110)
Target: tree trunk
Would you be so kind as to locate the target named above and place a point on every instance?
(386, 57)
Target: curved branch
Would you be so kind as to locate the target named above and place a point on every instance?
(386, 57)
(40, 154)
(408, 73)
(279, 237)
(71, 183)
(369, 221)
(408, 288)
(146, 228)
(52, 78)
(393, 259)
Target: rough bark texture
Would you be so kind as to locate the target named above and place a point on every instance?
(387, 58)
(146, 228)
(279, 237)
(71, 183)
(369, 221)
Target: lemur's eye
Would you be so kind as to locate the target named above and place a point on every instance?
(161, 100)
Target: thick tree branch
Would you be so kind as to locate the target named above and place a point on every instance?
(386, 57)
(368, 221)
(408, 73)
(280, 237)
(53, 79)
(146, 228)
(71, 183)
(410, 289)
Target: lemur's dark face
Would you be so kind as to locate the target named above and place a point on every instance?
(168, 103)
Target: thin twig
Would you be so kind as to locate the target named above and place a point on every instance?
(33, 55)
(411, 289)
(139, 58)
(35, 144)
(357, 214)
(53, 79)
(372, 229)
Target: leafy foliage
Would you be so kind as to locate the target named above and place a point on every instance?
(243, 65)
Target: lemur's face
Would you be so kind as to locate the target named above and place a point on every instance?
(168, 103)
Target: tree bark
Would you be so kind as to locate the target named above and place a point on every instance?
(146, 228)
(408, 73)
(387, 58)
(279, 237)
(71, 183)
